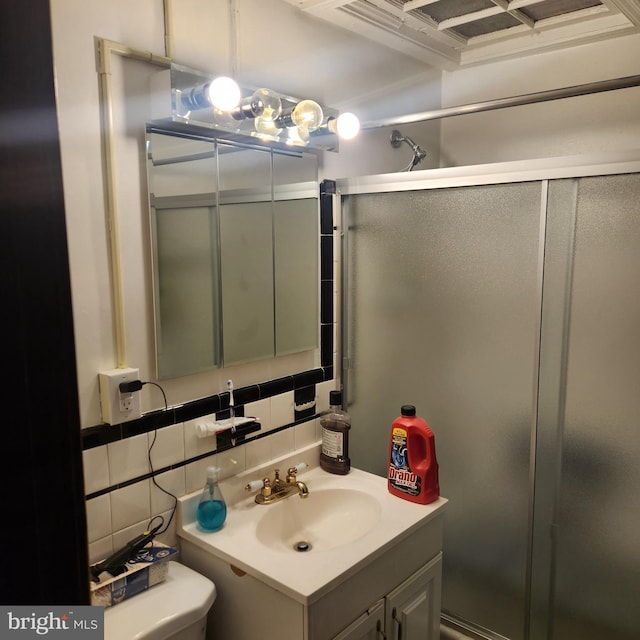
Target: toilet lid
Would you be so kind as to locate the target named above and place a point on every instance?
(162, 610)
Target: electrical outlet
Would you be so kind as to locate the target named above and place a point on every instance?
(118, 407)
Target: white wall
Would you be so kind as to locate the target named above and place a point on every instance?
(371, 152)
(581, 125)
(277, 47)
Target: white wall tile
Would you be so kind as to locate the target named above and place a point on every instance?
(100, 549)
(96, 469)
(230, 462)
(130, 505)
(128, 458)
(257, 452)
(261, 410)
(281, 443)
(98, 518)
(168, 447)
(304, 434)
(193, 445)
(169, 536)
(196, 474)
(122, 536)
(282, 409)
(172, 481)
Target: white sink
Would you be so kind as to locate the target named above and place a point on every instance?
(325, 519)
(346, 520)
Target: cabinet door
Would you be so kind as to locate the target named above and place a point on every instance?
(413, 608)
(369, 626)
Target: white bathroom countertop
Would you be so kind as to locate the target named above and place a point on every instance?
(304, 576)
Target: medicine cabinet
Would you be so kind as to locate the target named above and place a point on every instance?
(235, 251)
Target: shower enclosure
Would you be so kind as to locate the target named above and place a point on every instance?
(504, 302)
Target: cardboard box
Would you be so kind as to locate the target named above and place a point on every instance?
(148, 568)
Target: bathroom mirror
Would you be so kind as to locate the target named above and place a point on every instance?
(235, 237)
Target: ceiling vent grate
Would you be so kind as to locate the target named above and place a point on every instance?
(452, 33)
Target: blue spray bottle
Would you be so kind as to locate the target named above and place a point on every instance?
(212, 509)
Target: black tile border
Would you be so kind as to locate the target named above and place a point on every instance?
(102, 434)
(105, 433)
(202, 456)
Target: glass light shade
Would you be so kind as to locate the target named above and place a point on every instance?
(224, 93)
(307, 115)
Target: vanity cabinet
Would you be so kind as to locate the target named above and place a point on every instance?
(396, 599)
(360, 579)
(410, 612)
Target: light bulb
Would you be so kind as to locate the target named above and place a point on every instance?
(265, 122)
(307, 115)
(224, 93)
(270, 100)
(250, 107)
(347, 126)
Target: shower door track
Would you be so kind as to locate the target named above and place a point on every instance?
(580, 166)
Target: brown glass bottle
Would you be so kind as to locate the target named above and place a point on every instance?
(334, 456)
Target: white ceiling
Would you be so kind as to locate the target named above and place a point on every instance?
(451, 34)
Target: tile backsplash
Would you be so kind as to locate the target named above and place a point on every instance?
(122, 497)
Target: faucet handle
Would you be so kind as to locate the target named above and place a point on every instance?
(264, 486)
(291, 473)
(299, 468)
(254, 485)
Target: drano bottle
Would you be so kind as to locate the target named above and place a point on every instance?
(413, 467)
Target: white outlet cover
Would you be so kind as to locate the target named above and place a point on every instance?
(116, 408)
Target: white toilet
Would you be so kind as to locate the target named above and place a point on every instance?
(175, 609)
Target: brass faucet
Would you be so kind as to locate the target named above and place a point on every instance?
(277, 489)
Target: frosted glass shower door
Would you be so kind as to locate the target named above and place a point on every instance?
(443, 309)
(596, 594)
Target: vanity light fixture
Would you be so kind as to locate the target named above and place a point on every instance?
(220, 104)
